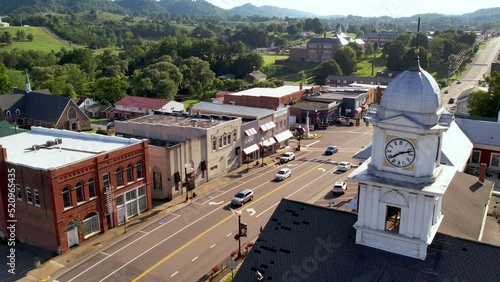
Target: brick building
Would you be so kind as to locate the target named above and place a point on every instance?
(268, 98)
(69, 186)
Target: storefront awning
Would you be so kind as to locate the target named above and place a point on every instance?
(280, 137)
(271, 141)
(250, 132)
(251, 149)
(267, 126)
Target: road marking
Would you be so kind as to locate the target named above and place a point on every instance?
(105, 253)
(147, 271)
(194, 259)
(212, 246)
(229, 234)
(146, 234)
(142, 231)
(174, 274)
(307, 146)
(251, 211)
(321, 169)
(215, 203)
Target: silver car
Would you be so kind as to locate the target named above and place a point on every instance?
(242, 197)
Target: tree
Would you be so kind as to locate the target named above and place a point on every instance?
(409, 58)
(346, 59)
(20, 35)
(198, 79)
(5, 81)
(369, 49)
(325, 69)
(394, 51)
(486, 104)
(108, 90)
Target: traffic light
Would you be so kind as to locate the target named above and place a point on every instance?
(243, 230)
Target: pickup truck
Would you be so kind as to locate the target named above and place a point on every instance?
(286, 157)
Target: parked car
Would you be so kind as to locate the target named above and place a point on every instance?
(339, 187)
(242, 197)
(286, 157)
(459, 81)
(446, 91)
(344, 166)
(331, 150)
(451, 101)
(283, 174)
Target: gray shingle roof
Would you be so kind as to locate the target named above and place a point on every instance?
(232, 110)
(481, 132)
(42, 107)
(303, 242)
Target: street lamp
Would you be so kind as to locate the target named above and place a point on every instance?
(186, 182)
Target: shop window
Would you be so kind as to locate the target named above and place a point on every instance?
(91, 225)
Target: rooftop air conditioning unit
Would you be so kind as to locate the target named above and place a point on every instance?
(58, 141)
(50, 143)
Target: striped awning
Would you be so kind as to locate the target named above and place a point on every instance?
(250, 149)
(280, 137)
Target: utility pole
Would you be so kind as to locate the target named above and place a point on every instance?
(186, 181)
(239, 233)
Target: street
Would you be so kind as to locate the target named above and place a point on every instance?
(184, 246)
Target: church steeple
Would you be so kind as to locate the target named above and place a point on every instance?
(28, 85)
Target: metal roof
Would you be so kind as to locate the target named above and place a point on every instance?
(232, 110)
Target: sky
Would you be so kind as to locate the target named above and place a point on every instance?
(369, 8)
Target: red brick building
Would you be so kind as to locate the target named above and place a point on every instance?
(69, 186)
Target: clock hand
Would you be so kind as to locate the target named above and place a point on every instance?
(395, 155)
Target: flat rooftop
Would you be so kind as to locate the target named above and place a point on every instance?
(271, 92)
(74, 147)
(182, 119)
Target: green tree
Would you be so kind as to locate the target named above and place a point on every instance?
(409, 58)
(158, 80)
(5, 81)
(20, 35)
(198, 79)
(108, 90)
(486, 104)
(394, 51)
(325, 69)
(346, 59)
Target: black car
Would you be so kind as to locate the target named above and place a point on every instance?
(451, 101)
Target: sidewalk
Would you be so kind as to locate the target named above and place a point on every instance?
(69, 260)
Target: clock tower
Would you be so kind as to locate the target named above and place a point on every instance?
(402, 185)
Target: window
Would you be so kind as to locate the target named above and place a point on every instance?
(105, 181)
(79, 192)
(392, 218)
(224, 140)
(119, 177)
(66, 195)
(229, 139)
(139, 170)
(8, 114)
(475, 157)
(220, 142)
(71, 113)
(19, 192)
(37, 197)
(130, 174)
(157, 180)
(91, 186)
(29, 198)
(214, 145)
(495, 160)
(91, 225)
(234, 135)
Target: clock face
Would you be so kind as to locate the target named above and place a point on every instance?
(400, 152)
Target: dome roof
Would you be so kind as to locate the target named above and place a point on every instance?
(414, 90)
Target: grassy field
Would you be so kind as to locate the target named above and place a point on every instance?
(269, 59)
(41, 42)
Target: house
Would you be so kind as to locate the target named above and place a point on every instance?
(40, 108)
(99, 111)
(69, 186)
(263, 131)
(255, 76)
(134, 106)
(485, 137)
(84, 102)
(462, 102)
(185, 148)
(323, 49)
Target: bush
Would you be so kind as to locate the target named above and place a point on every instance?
(87, 129)
(101, 131)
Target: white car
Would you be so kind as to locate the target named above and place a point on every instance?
(286, 157)
(339, 187)
(344, 166)
(283, 174)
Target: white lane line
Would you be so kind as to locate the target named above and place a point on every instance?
(105, 253)
(174, 274)
(229, 234)
(307, 146)
(146, 234)
(142, 231)
(212, 246)
(194, 259)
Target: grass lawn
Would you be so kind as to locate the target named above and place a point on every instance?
(188, 103)
(269, 59)
(41, 41)
(97, 119)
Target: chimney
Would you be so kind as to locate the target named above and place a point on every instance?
(482, 173)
